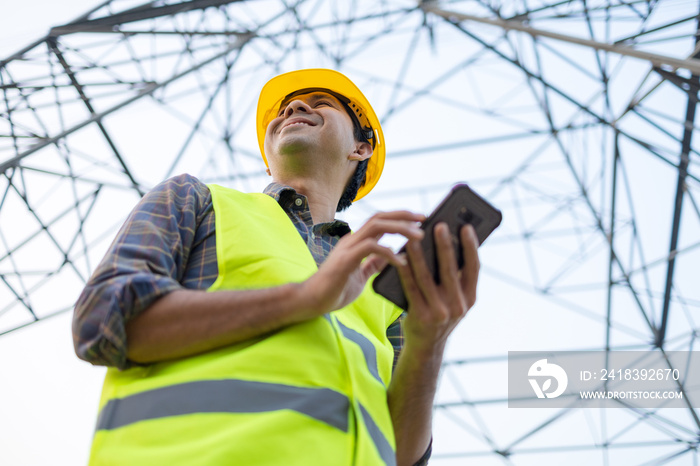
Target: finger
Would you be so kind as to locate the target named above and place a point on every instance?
(400, 215)
(342, 266)
(424, 279)
(410, 287)
(397, 215)
(447, 262)
(373, 264)
(370, 246)
(470, 271)
(379, 227)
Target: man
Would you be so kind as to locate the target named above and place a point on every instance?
(242, 326)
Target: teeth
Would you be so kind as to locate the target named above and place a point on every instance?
(298, 123)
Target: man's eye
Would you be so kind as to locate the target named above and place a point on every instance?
(323, 102)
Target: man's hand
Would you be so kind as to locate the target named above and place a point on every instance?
(358, 256)
(435, 310)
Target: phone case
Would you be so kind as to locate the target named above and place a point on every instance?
(460, 207)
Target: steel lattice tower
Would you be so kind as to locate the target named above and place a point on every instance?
(576, 118)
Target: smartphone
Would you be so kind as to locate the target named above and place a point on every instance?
(461, 206)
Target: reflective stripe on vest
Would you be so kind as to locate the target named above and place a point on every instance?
(225, 396)
(239, 396)
(367, 349)
(385, 450)
(365, 345)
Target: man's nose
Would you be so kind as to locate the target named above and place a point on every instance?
(296, 106)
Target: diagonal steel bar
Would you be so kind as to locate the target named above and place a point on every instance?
(656, 29)
(691, 64)
(139, 13)
(53, 45)
(198, 123)
(18, 55)
(148, 90)
(42, 318)
(22, 299)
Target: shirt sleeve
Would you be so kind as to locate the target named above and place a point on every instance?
(395, 335)
(145, 261)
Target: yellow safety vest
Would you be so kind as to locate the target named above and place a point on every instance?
(313, 393)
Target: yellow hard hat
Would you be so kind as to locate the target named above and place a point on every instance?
(286, 85)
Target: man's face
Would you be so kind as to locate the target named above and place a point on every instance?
(314, 123)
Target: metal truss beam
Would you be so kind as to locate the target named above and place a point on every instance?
(566, 156)
(690, 64)
(148, 90)
(53, 45)
(683, 163)
(140, 13)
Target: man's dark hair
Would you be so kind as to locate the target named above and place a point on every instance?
(358, 178)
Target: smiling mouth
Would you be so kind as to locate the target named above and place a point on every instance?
(298, 122)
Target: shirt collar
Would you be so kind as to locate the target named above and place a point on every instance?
(288, 199)
(283, 194)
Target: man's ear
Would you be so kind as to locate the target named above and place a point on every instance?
(363, 151)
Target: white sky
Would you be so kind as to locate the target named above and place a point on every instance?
(48, 398)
